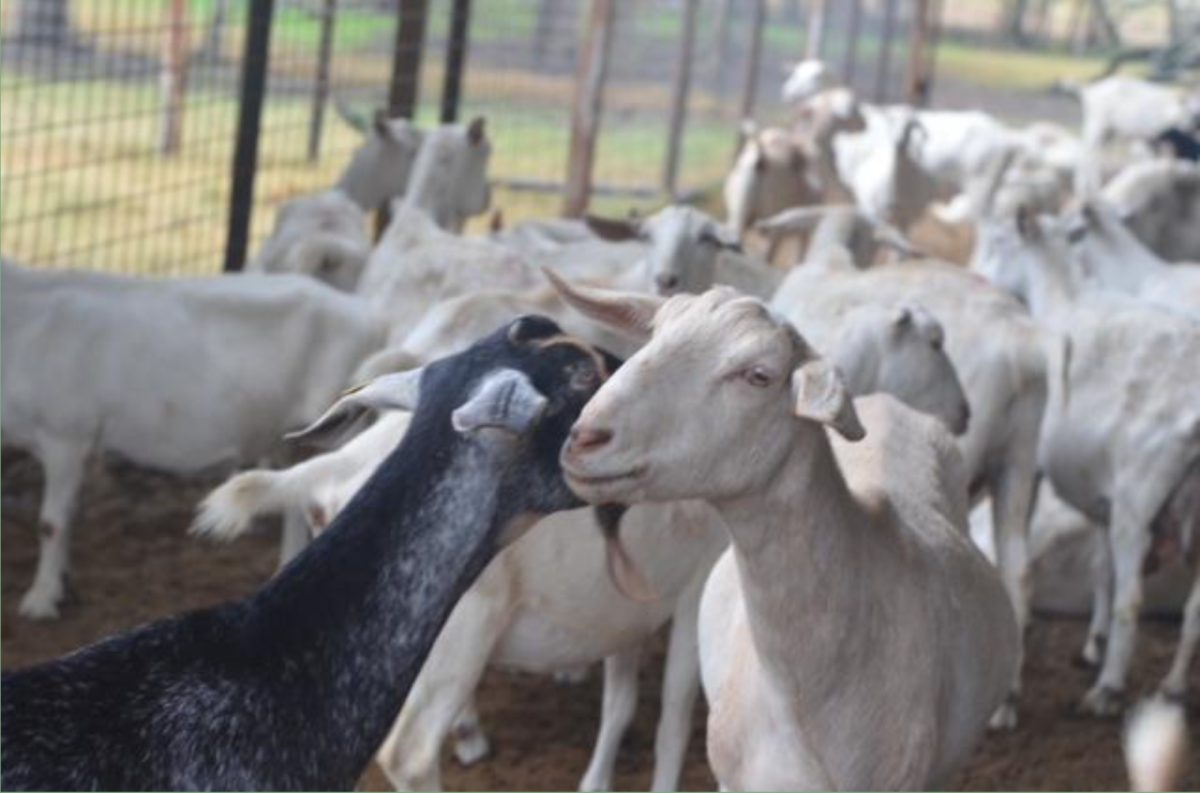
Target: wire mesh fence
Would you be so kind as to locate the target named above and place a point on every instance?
(120, 117)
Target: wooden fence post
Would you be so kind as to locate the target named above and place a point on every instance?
(916, 81)
(256, 59)
(679, 96)
(173, 78)
(321, 80)
(590, 75)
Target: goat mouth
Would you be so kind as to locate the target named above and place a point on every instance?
(601, 480)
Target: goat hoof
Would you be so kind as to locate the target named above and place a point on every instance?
(1005, 717)
(40, 605)
(1092, 654)
(1103, 702)
(470, 749)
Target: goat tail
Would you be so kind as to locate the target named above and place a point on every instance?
(228, 511)
(1155, 744)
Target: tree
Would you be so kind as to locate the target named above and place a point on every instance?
(44, 22)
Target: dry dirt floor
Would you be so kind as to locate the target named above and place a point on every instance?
(134, 562)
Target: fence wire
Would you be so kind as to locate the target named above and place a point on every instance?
(119, 117)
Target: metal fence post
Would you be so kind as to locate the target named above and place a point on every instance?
(405, 85)
(256, 57)
(456, 56)
(883, 65)
(916, 81)
(750, 76)
(679, 97)
(585, 115)
(321, 80)
(406, 58)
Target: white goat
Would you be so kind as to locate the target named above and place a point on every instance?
(322, 235)
(1126, 109)
(1003, 360)
(771, 173)
(891, 185)
(416, 265)
(1114, 258)
(843, 559)
(1121, 440)
(179, 375)
(1160, 202)
(379, 169)
(449, 176)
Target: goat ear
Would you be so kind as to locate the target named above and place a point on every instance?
(613, 230)
(820, 395)
(396, 391)
(714, 237)
(476, 131)
(505, 400)
(902, 319)
(625, 311)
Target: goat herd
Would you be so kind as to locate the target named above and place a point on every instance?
(783, 467)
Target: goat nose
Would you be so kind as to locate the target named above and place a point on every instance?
(586, 439)
(667, 282)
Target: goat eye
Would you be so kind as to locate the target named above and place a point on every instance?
(584, 378)
(757, 376)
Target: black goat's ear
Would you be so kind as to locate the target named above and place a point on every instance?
(531, 327)
(506, 399)
(398, 391)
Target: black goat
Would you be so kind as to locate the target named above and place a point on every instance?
(296, 686)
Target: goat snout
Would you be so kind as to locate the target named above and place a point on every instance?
(588, 439)
(666, 282)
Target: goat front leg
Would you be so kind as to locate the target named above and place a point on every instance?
(63, 464)
(681, 681)
(619, 705)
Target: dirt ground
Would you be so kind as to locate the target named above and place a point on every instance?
(134, 562)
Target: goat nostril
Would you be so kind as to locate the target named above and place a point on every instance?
(668, 281)
(586, 439)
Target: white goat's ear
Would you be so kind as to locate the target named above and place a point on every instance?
(613, 230)
(820, 395)
(625, 311)
(716, 237)
(397, 391)
(476, 130)
(505, 400)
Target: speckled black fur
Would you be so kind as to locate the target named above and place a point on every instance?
(296, 686)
